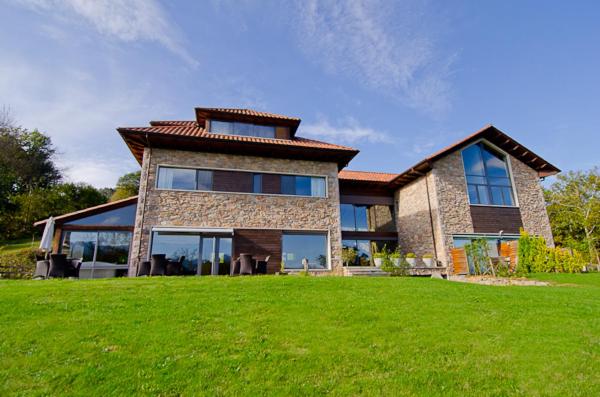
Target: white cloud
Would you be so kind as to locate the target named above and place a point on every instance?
(80, 113)
(381, 44)
(350, 131)
(125, 20)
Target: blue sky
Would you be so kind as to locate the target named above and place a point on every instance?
(397, 80)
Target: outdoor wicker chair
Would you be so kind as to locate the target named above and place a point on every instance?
(144, 269)
(158, 265)
(58, 266)
(41, 269)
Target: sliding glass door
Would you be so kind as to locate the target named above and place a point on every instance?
(205, 254)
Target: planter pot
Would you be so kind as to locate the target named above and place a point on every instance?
(411, 261)
(378, 262)
(428, 262)
(396, 262)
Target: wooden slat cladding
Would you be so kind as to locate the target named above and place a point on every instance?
(232, 181)
(460, 265)
(282, 132)
(271, 183)
(260, 243)
(366, 200)
(493, 219)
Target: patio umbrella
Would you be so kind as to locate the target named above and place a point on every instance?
(46, 242)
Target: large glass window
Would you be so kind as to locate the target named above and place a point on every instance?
(176, 245)
(244, 129)
(488, 180)
(363, 218)
(124, 216)
(312, 247)
(103, 253)
(365, 248)
(176, 178)
(303, 185)
(204, 180)
(204, 254)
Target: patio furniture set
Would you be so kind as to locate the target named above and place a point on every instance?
(159, 265)
(57, 266)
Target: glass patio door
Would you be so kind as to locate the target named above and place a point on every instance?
(215, 256)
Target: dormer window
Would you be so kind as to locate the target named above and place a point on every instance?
(244, 129)
(488, 179)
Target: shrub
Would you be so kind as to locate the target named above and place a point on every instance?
(535, 256)
(428, 256)
(477, 251)
(17, 264)
(349, 256)
(411, 255)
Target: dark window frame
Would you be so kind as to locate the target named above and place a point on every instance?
(292, 192)
(477, 189)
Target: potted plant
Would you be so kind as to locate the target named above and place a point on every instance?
(411, 258)
(378, 258)
(428, 260)
(396, 258)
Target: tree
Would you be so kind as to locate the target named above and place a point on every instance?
(41, 203)
(128, 185)
(574, 211)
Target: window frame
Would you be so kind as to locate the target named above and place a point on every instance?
(507, 160)
(252, 126)
(251, 171)
(302, 232)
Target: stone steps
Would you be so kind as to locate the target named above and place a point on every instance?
(366, 271)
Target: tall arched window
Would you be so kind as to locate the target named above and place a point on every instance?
(488, 180)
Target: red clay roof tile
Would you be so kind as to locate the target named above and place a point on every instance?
(366, 176)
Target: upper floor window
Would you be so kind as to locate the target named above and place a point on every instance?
(488, 179)
(245, 129)
(367, 218)
(303, 185)
(240, 182)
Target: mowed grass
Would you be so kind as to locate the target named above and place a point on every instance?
(299, 336)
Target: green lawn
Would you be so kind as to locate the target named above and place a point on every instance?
(299, 336)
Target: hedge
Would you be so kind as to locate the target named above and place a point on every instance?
(17, 264)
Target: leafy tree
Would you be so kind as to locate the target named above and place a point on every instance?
(128, 185)
(574, 211)
(40, 203)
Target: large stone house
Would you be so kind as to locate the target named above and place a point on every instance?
(238, 181)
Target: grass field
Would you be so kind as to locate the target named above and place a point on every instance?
(299, 336)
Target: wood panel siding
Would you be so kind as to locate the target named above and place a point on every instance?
(232, 181)
(282, 132)
(271, 183)
(366, 200)
(460, 264)
(493, 219)
(260, 243)
(351, 235)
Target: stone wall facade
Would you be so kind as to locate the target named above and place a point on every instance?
(170, 208)
(531, 201)
(442, 194)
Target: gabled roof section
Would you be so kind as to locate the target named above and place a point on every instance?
(366, 176)
(492, 135)
(246, 115)
(186, 136)
(90, 211)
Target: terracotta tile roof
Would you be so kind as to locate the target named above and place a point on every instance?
(366, 176)
(91, 210)
(173, 122)
(249, 112)
(195, 131)
(492, 135)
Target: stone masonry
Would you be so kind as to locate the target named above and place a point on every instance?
(234, 210)
(450, 209)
